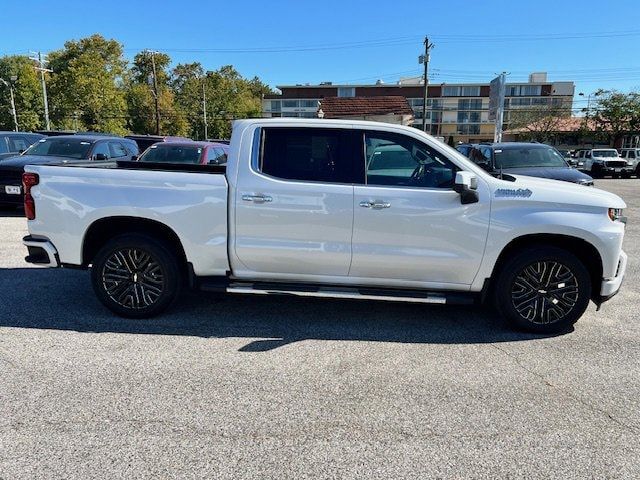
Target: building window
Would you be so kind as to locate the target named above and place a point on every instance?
(524, 90)
(290, 103)
(434, 103)
(468, 117)
(309, 103)
(470, 104)
(556, 102)
(469, 129)
(470, 91)
(346, 91)
(448, 91)
(275, 105)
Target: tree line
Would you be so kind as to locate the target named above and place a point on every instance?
(92, 87)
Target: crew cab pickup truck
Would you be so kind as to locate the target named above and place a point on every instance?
(331, 208)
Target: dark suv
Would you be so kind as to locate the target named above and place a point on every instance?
(14, 143)
(531, 159)
(57, 150)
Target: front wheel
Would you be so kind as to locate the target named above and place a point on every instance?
(543, 290)
(136, 276)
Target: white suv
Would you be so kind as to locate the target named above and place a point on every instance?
(632, 157)
(599, 162)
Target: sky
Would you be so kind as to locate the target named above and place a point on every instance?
(283, 42)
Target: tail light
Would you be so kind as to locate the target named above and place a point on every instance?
(28, 181)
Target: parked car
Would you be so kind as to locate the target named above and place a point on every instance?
(531, 159)
(632, 157)
(201, 153)
(145, 141)
(59, 149)
(600, 162)
(14, 143)
(305, 208)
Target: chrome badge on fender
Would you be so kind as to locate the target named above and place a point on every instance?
(508, 192)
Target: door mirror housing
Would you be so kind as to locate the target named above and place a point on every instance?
(100, 156)
(466, 184)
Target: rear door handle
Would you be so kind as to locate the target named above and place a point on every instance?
(375, 205)
(257, 198)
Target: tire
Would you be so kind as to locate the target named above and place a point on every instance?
(136, 276)
(523, 295)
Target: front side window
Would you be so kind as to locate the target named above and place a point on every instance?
(117, 150)
(18, 144)
(307, 154)
(216, 156)
(101, 148)
(172, 153)
(398, 160)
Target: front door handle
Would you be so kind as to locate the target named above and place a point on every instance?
(257, 198)
(375, 205)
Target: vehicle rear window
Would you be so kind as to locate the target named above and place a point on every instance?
(60, 147)
(307, 154)
(169, 153)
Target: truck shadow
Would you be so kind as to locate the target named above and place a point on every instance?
(64, 300)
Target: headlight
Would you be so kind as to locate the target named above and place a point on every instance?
(629, 163)
(615, 214)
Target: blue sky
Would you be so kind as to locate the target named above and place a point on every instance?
(353, 41)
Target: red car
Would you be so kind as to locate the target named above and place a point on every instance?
(197, 153)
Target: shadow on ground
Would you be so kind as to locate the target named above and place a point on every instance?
(64, 300)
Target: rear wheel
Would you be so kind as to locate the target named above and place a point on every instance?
(543, 289)
(136, 276)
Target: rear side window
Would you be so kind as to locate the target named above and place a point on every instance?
(117, 150)
(307, 154)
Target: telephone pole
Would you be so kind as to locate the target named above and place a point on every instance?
(155, 88)
(41, 59)
(204, 107)
(9, 85)
(424, 59)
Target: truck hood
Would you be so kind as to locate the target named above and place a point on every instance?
(18, 162)
(526, 188)
(555, 173)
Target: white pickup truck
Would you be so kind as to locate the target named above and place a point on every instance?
(325, 208)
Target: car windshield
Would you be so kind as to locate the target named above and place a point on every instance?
(60, 147)
(526, 157)
(605, 153)
(168, 153)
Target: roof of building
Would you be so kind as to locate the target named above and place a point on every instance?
(338, 107)
(567, 124)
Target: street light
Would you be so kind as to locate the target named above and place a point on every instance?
(13, 78)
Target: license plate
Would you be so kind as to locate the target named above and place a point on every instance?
(11, 190)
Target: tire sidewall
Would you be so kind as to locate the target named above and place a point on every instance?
(514, 266)
(160, 253)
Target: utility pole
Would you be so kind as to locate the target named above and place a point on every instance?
(13, 102)
(41, 68)
(204, 107)
(424, 59)
(155, 88)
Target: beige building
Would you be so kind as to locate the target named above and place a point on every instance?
(456, 110)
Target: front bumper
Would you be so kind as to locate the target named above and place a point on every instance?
(611, 286)
(41, 252)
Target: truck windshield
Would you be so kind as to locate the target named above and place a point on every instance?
(60, 147)
(605, 153)
(169, 153)
(528, 158)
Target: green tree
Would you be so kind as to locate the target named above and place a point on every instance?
(616, 114)
(87, 87)
(27, 93)
(141, 97)
(229, 96)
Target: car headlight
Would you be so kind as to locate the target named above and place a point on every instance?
(615, 214)
(629, 163)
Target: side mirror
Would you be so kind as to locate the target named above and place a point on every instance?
(100, 156)
(21, 151)
(485, 166)
(134, 158)
(466, 184)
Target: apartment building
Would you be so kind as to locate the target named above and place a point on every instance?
(457, 110)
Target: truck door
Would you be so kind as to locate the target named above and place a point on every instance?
(294, 206)
(409, 224)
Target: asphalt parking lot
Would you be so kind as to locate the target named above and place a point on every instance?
(237, 387)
